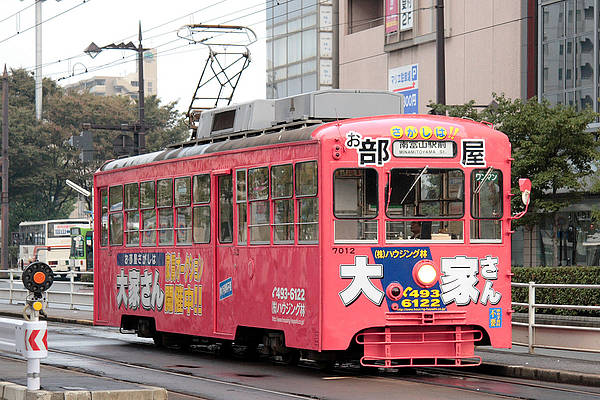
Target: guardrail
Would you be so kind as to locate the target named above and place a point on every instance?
(74, 293)
(552, 336)
(527, 332)
(30, 342)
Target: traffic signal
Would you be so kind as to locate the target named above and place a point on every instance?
(85, 143)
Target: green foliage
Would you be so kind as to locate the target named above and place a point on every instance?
(564, 296)
(550, 146)
(41, 160)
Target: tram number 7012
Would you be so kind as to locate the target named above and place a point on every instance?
(343, 250)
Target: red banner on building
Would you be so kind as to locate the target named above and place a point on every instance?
(391, 16)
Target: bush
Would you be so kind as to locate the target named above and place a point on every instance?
(564, 275)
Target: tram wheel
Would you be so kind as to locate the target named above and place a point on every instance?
(325, 365)
(158, 338)
(225, 349)
(291, 357)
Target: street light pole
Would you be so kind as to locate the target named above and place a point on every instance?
(38, 59)
(139, 139)
(93, 50)
(4, 197)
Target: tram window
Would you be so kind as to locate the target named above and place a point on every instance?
(183, 191)
(225, 209)
(281, 181)
(116, 229)
(425, 193)
(242, 210)
(283, 210)
(132, 228)
(184, 225)
(201, 224)
(165, 226)
(283, 221)
(115, 197)
(306, 178)
(486, 204)
(131, 196)
(201, 189)
(355, 193)
(258, 183)
(424, 230)
(149, 228)
(355, 198)
(260, 231)
(104, 217)
(164, 193)
(147, 195)
(308, 220)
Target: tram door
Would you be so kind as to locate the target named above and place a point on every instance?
(224, 263)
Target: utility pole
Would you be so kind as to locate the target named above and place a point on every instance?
(4, 198)
(139, 138)
(440, 53)
(38, 59)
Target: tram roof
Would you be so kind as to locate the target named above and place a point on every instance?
(305, 114)
(220, 144)
(272, 121)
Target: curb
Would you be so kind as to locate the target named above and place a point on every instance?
(11, 391)
(51, 318)
(548, 375)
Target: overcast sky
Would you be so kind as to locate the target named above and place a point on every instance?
(71, 25)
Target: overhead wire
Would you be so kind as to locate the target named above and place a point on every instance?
(43, 22)
(144, 31)
(172, 51)
(17, 13)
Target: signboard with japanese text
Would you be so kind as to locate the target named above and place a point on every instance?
(405, 80)
(455, 280)
(398, 265)
(391, 16)
(406, 15)
(421, 148)
(141, 285)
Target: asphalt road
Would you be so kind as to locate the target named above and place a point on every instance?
(198, 373)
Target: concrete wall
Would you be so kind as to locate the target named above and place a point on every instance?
(483, 51)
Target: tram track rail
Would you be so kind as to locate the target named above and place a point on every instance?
(502, 387)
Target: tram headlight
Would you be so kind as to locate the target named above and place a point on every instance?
(425, 274)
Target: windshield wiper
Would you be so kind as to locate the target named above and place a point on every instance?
(489, 171)
(414, 183)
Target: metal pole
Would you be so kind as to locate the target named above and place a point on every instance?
(139, 138)
(531, 314)
(33, 364)
(440, 54)
(4, 195)
(38, 59)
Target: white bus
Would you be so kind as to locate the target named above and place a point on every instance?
(48, 242)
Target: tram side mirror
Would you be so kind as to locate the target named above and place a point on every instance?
(525, 187)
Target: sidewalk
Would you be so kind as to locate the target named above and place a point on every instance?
(59, 384)
(570, 367)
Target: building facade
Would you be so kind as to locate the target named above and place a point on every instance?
(487, 49)
(122, 85)
(521, 48)
(301, 46)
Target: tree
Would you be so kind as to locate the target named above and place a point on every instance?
(550, 146)
(40, 157)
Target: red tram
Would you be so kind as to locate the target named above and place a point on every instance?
(290, 224)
